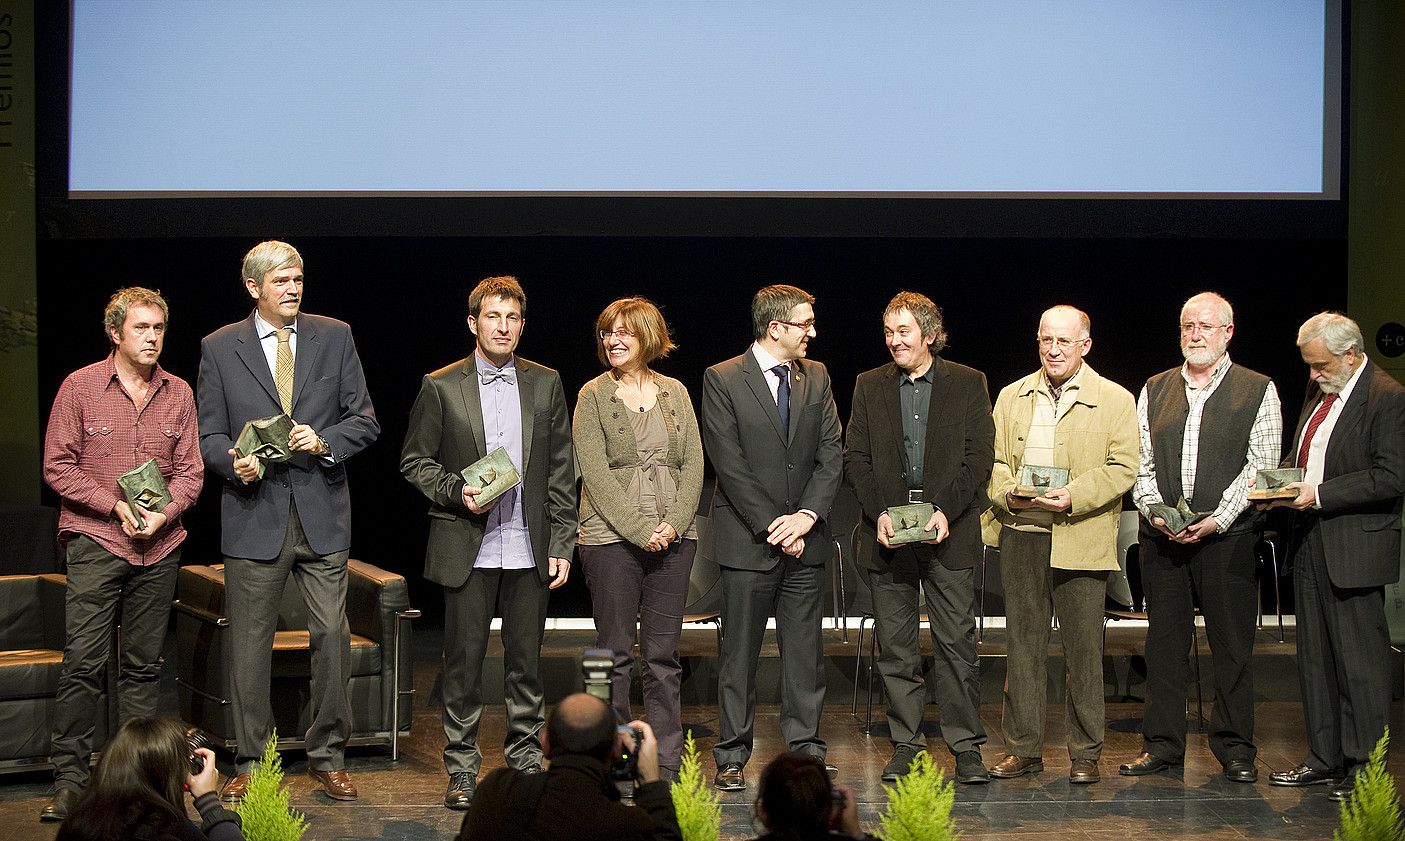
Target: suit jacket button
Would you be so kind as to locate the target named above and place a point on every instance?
(790, 466)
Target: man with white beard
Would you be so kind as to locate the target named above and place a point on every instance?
(1207, 427)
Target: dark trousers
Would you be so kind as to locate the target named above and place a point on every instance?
(98, 582)
(951, 617)
(520, 597)
(1220, 571)
(627, 582)
(794, 591)
(253, 591)
(1034, 592)
(1343, 662)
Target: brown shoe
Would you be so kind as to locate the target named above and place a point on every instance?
(1017, 766)
(1084, 771)
(337, 784)
(235, 788)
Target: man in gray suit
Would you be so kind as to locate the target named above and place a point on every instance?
(1350, 443)
(509, 552)
(771, 428)
(290, 517)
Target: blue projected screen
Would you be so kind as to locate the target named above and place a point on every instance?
(1027, 97)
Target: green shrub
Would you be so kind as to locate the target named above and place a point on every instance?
(919, 805)
(694, 802)
(265, 811)
(1372, 813)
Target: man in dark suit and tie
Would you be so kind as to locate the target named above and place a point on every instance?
(772, 431)
(290, 517)
(508, 552)
(1350, 443)
(921, 431)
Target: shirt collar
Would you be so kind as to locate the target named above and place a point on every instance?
(158, 374)
(1215, 376)
(1351, 384)
(765, 359)
(263, 329)
(483, 366)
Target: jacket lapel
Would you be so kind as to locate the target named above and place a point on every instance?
(1348, 421)
(309, 349)
(756, 381)
(526, 384)
(473, 406)
(251, 353)
(892, 407)
(941, 397)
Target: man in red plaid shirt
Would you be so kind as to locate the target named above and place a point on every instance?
(108, 418)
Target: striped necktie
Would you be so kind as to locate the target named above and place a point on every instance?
(1315, 421)
(283, 369)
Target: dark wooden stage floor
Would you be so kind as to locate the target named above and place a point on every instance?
(400, 801)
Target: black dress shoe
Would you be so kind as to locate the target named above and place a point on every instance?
(1144, 764)
(462, 787)
(969, 768)
(1084, 772)
(1303, 775)
(1241, 771)
(730, 778)
(59, 806)
(831, 770)
(1341, 789)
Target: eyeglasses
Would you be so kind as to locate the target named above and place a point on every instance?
(1046, 342)
(798, 325)
(621, 334)
(1188, 328)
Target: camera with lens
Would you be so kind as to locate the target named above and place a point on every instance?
(597, 665)
(196, 739)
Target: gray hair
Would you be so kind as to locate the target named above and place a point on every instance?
(268, 257)
(1338, 332)
(1226, 311)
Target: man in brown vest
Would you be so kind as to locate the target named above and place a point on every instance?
(1207, 427)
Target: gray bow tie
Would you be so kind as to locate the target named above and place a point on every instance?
(507, 375)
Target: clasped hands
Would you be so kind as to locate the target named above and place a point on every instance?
(788, 532)
(937, 522)
(132, 521)
(301, 439)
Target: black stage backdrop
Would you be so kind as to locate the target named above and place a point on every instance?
(405, 298)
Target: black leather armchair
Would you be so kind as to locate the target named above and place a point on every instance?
(31, 656)
(379, 613)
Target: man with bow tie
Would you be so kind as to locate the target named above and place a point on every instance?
(508, 552)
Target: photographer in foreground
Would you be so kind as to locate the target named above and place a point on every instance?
(576, 798)
(797, 803)
(138, 790)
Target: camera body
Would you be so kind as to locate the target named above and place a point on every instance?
(597, 665)
(196, 739)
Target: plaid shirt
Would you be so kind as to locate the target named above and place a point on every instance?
(1265, 442)
(96, 433)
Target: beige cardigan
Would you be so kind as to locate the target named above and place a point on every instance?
(607, 455)
(1097, 441)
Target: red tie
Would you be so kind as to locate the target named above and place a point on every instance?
(1315, 421)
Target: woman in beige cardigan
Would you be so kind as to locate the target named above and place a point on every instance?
(641, 461)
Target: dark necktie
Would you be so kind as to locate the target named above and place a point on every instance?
(1315, 421)
(783, 394)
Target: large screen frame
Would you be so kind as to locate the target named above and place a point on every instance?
(946, 214)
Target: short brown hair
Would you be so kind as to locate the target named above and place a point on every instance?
(926, 313)
(641, 317)
(269, 256)
(774, 303)
(501, 286)
(115, 315)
